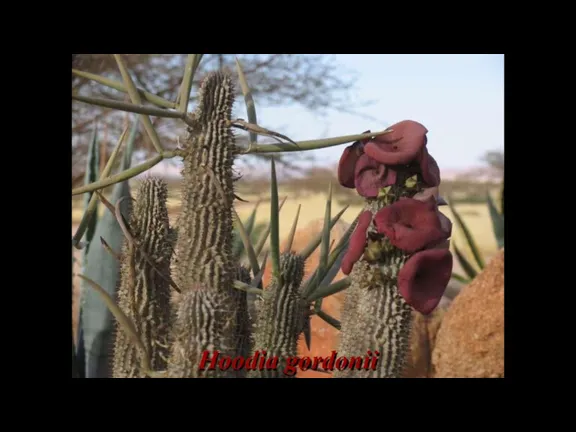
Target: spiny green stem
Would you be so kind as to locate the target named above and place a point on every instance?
(117, 85)
(128, 107)
(310, 145)
(120, 177)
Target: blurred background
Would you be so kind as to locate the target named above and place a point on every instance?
(458, 98)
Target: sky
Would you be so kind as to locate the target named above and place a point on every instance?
(458, 98)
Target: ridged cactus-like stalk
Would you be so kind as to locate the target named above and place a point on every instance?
(280, 317)
(144, 291)
(205, 225)
(205, 324)
(398, 257)
(375, 318)
(243, 325)
(205, 271)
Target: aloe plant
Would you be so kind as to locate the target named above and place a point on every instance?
(214, 313)
(497, 220)
(95, 321)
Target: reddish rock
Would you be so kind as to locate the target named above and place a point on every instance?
(470, 341)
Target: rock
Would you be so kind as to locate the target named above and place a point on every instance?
(422, 342)
(470, 341)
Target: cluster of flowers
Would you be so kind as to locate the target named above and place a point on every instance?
(414, 225)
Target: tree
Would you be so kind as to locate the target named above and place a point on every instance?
(495, 160)
(311, 81)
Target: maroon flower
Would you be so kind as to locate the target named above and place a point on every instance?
(347, 163)
(370, 176)
(357, 242)
(410, 225)
(429, 169)
(424, 277)
(432, 198)
(402, 146)
(405, 145)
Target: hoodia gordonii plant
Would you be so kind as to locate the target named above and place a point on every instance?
(398, 257)
(204, 269)
(144, 291)
(211, 316)
(281, 315)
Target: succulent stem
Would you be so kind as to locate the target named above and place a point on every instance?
(281, 317)
(375, 317)
(144, 294)
(208, 319)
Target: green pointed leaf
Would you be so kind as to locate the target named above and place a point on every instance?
(274, 225)
(238, 246)
(92, 174)
(257, 281)
(248, 100)
(461, 278)
(315, 242)
(334, 262)
(93, 203)
(326, 291)
(124, 322)
(127, 159)
(325, 245)
(329, 320)
(466, 266)
(292, 233)
(104, 269)
(245, 237)
(469, 238)
(497, 222)
(266, 231)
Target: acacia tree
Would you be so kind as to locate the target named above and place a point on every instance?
(314, 82)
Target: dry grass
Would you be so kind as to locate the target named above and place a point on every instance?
(313, 206)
